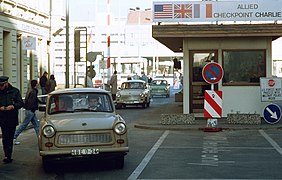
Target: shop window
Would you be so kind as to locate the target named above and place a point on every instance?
(243, 67)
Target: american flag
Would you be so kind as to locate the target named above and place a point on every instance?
(182, 10)
(163, 11)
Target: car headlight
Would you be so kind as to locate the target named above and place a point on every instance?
(49, 131)
(120, 128)
(142, 95)
(118, 95)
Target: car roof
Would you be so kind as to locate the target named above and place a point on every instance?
(78, 90)
(140, 81)
(159, 79)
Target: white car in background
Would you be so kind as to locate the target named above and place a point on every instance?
(133, 92)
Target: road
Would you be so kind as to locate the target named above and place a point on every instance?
(163, 154)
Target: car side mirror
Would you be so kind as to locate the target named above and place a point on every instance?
(42, 108)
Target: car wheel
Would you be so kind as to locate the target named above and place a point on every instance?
(119, 162)
(47, 166)
(144, 104)
(118, 106)
(148, 103)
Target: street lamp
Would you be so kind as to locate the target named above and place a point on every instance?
(139, 21)
(67, 85)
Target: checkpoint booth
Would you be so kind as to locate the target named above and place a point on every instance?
(237, 35)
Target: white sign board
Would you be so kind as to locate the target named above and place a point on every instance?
(271, 89)
(29, 43)
(202, 11)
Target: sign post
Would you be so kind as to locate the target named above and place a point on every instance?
(212, 74)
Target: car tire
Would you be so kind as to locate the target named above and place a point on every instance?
(118, 106)
(47, 166)
(119, 162)
(144, 104)
(148, 103)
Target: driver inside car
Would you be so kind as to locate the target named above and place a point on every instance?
(94, 104)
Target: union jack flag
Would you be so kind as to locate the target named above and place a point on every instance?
(182, 11)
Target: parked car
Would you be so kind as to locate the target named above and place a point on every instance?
(133, 92)
(160, 87)
(81, 123)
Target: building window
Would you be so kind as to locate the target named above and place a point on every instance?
(243, 67)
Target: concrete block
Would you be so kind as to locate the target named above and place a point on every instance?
(239, 118)
(177, 119)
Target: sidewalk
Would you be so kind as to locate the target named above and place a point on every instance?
(200, 122)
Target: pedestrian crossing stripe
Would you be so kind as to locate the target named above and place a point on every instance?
(213, 104)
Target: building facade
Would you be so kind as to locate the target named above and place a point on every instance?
(132, 49)
(25, 37)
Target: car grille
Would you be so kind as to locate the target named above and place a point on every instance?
(158, 91)
(130, 98)
(84, 139)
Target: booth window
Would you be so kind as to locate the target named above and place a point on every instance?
(243, 67)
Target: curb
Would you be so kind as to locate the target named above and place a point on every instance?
(201, 128)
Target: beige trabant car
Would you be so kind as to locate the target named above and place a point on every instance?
(81, 123)
(133, 92)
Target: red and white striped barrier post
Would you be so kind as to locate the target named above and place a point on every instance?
(109, 41)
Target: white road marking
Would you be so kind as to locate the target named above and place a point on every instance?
(271, 141)
(209, 179)
(148, 157)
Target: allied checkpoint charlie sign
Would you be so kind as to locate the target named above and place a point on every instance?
(199, 11)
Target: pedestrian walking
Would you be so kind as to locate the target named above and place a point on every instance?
(144, 77)
(51, 84)
(113, 83)
(129, 77)
(135, 76)
(88, 80)
(42, 82)
(10, 103)
(30, 105)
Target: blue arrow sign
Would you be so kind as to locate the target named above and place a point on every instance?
(272, 113)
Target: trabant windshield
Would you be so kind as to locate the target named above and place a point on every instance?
(78, 102)
(133, 85)
(159, 82)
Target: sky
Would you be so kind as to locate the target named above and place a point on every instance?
(85, 10)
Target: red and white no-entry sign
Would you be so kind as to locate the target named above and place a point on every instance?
(213, 104)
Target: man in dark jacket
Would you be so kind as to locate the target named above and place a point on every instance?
(31, 105)
(10, 103)
(42, 82)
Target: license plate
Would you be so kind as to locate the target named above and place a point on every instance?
(77, 152)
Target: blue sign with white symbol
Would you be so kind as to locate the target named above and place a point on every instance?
(212, 73)
(272, 113)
